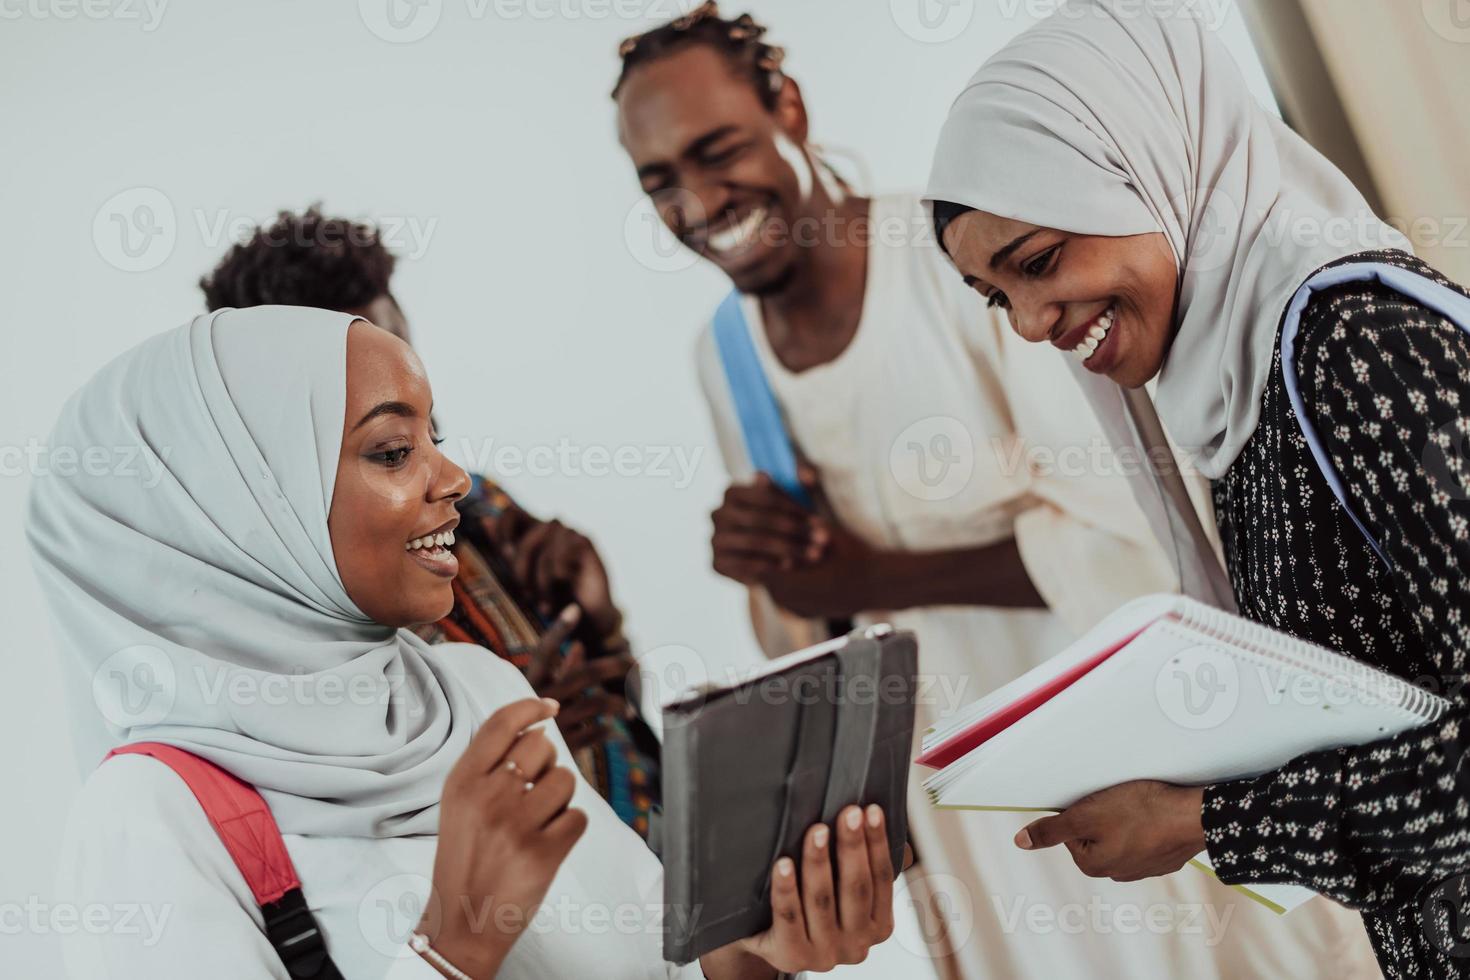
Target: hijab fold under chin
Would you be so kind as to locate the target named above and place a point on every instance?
(193, 588)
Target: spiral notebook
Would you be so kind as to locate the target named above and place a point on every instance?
(1171, 689)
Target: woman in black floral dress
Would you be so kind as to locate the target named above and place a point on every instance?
(1108, 179)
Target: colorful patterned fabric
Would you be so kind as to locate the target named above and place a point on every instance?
(488, 612)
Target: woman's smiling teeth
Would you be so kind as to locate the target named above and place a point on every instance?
(737, 236)
(432, 552)
(431, 542)
(1096, 335)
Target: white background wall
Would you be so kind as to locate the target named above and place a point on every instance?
(540, 304)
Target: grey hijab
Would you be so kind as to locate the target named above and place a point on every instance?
(195, 596)
(1118, 118)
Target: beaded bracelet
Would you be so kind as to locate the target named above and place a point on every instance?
(419, 943)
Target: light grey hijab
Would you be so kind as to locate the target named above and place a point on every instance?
(1118, 118)
(189, 571)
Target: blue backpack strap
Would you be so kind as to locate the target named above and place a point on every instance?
(766, 440)
(1441, 299)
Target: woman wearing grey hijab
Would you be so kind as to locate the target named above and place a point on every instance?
(245, 598)
(1109, 181)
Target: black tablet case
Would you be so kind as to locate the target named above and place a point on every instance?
(747, 770)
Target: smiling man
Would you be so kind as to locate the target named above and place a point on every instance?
(942, 481)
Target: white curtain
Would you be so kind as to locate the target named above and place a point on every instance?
(1396, 73)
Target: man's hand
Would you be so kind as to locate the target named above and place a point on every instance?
(760, 530)
(553, 563)
(842, 582)
(809, 563)
(1136, 830)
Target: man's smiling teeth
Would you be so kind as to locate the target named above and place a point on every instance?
(1096, 335)
(443, 539)
(737, 236)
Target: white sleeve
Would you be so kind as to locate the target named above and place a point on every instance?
(156, 893)
(138, 844)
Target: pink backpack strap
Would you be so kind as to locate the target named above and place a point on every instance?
(245, 826)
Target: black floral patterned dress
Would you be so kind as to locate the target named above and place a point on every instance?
(1383, 828)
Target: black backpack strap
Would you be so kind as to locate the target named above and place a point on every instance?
(297, 939)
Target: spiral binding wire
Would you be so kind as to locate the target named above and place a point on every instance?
(1269, 646)
(1303, 655)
